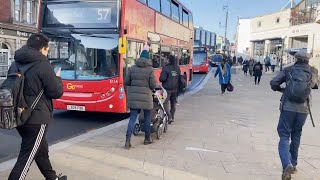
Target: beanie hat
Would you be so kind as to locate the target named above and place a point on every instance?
(302, 55)
(145, 54)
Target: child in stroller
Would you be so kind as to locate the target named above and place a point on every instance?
(159, 118)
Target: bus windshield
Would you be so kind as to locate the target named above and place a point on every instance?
(82, 14)
(85, 57)
(199, 58)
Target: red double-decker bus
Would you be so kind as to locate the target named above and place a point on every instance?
(95, 42)
(201, 58)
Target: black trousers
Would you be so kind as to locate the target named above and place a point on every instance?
(223, 88)
(172, 99)
(257, 78)
(33, 147)
(273, 67)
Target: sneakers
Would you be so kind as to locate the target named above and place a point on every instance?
(147, 141)
(60, 177)
(128, 143)
(295, 170)
(287, 172)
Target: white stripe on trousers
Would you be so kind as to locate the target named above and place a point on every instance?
(33, 152)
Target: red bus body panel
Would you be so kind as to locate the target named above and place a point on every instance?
(109, 95)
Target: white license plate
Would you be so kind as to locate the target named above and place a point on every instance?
(76, 108)
(196, 71)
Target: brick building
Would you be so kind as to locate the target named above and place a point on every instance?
(18, 19)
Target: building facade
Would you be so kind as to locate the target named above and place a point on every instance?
(280, 33)
(242, 39)
(207, 38)
(18, 19)
(222, 45)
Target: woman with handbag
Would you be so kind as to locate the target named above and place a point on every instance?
(224, 72)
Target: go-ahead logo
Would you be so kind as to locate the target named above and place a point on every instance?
(71, 86)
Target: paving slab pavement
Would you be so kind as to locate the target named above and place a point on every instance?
(214, 137)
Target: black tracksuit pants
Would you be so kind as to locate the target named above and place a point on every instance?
(33, 147)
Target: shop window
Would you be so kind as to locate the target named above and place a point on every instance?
(154, 4)
(17, 10)
(155, 55)
(166, 7)
(175, 11)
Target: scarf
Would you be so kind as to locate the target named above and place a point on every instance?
(224, 70)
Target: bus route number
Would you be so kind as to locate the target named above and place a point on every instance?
(104, 14)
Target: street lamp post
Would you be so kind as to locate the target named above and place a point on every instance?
(282, 52)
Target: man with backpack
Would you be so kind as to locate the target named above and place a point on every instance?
(39, 78)
(294, 109)
(171, 81)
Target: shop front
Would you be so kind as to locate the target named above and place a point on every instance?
(10, 41)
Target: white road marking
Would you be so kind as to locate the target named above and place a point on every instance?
(199, 149)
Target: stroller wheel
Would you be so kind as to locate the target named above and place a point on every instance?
(160, 131)
(165, 124)
(136, 129)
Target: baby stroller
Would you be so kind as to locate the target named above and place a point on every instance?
(159, 118)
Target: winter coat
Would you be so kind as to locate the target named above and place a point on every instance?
(140, 82)
(283, 77)
(40, 77)
(224, 79)
(257, 71)
(245, 66)
(170, 77)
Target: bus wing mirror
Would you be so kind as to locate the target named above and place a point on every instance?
(122, 45)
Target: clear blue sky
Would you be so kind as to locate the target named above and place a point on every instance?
(208, 13)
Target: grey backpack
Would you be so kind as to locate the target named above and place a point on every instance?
(298, 88)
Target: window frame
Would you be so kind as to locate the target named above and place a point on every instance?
(143, 1)
(185, 12)
(30, 13)
(159, 5)
(17, 18)
(175, 4)
(169, 1)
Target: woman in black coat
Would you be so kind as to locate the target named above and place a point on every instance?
(257, 70)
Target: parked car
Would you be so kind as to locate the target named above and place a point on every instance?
(215, 60)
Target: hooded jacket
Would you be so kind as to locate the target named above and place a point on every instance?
(140, 82)
(169, 77)
(40, 76)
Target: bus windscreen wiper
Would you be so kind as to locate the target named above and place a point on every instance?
(95, 36)
(79, 32)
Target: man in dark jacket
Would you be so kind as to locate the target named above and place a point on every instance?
(170, 81)
(140, 82)
(293, 115)
(40, 77)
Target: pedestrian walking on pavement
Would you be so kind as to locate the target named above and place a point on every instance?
(224, 72)
(251, 64)
(40, 77)
(170, 79)
(294, 108)
(140, 82)
(274, 63)
(245, 67)
(257, 72)
(267, 63)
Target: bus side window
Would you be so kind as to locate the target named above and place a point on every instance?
(155, 55)
(165, 53)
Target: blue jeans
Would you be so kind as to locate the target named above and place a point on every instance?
(290, 128)
(133, 118)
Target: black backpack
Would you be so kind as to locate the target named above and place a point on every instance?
(298, 88)
(182, 84)
(14, 110)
